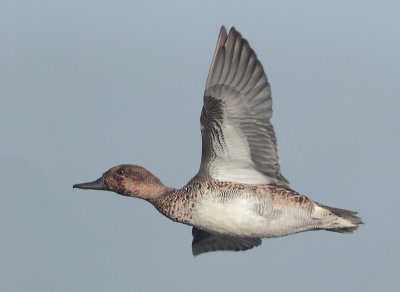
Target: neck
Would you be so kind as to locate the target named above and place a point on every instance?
(157, 193)
(150, 187)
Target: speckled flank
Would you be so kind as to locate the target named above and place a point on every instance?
(179, 205)
(283, 197)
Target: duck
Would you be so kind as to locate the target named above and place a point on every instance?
(239, 195)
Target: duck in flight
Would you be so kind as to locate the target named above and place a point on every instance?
(239, 195)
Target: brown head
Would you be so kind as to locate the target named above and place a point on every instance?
(128, 180)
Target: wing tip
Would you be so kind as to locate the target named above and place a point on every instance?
(225, 41)
(222, 31)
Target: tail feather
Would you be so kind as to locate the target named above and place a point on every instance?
(349, 223)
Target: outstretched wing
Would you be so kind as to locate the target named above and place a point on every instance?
(205, 242)
(238, 139)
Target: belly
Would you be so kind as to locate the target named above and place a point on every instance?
(247, 217)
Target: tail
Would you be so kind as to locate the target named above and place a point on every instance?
(345, 222)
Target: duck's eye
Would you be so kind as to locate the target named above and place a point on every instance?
(121, 171)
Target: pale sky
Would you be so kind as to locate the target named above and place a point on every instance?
(86, 85)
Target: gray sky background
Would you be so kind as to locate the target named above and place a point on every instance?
(86, 85)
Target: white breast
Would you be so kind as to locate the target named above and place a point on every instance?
(248, 217)
(236, 216)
